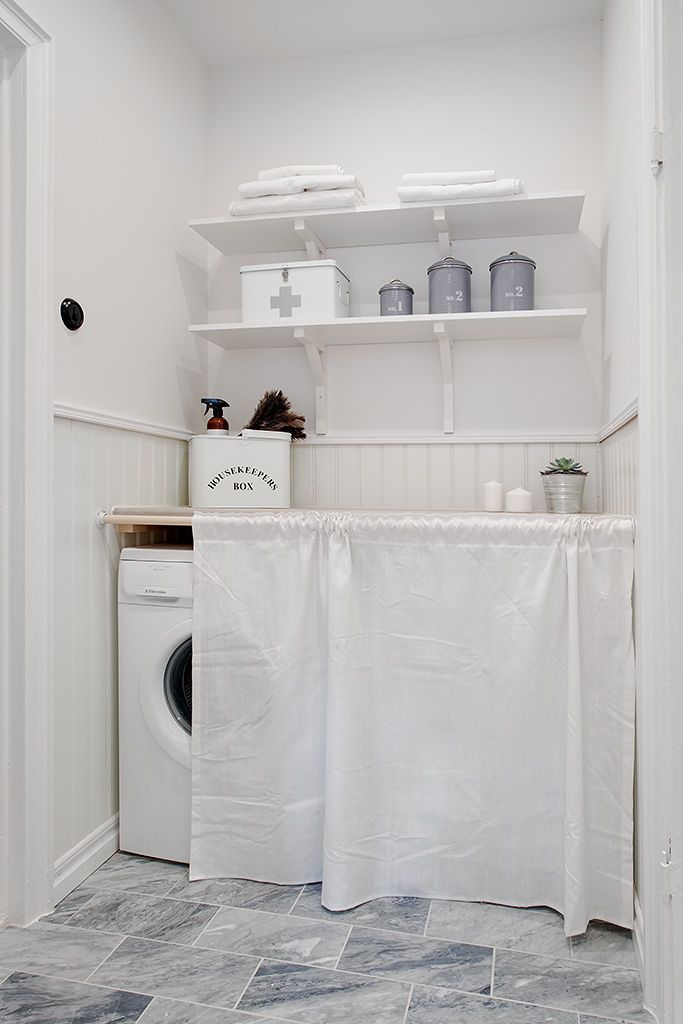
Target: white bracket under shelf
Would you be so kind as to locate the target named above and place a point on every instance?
(442, 335)
(315, 250)
(315, 350)
(443, 232)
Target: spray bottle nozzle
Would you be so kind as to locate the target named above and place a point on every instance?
(216, 405)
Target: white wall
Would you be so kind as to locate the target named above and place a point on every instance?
(95, 467)
(430, 475)
(130, 170)
(621, 142)
(619, 471)
(527, 105)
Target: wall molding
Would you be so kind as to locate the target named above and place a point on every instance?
(73, 412)
(628, 413)
(548, 437)
(100, 419)
(81, 860)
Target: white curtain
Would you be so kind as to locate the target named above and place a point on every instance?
(426, 705)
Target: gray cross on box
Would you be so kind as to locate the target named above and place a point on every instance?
(285, 301)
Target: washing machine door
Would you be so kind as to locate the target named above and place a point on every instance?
(165, 689)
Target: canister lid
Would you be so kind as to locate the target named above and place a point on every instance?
(449, 261)
(395, 285)
(512, 257)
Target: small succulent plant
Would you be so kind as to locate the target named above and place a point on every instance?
(564, 466)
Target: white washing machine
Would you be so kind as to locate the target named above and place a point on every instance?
(155, 701)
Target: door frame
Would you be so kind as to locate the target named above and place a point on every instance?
(26, 429)
(660, 537)
(669, 414)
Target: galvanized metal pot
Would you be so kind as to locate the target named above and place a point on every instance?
(564, 491)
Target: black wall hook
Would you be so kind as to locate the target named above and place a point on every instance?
(72, 314)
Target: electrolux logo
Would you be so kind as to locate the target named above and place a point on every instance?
(242, 485)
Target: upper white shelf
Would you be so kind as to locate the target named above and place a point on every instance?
(373, 330)
(499, 217)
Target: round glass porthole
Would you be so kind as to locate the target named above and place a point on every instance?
(178, 685)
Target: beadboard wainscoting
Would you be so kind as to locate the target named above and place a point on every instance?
(618, 457)
(96, 466)
(619, 470)
(429, 475)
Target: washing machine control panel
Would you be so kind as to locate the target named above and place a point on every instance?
(146, 591)
(155, 582)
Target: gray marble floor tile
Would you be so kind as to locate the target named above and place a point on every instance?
(396, 913)
(69, 905)
(316, 943)
(439, 1006)
(170, 1011)
(238, 892)
(149, 917)
(568, 985)
(53, 949)
(312, 995)
(415, 959)
(536, 930)
(26, 999)
(136, 874)
(585, 1018)
(178, 972)
(605, 944)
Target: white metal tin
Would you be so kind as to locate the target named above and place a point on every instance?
(252, 471)
(282, 292)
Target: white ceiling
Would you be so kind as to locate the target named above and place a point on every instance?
(245, 31)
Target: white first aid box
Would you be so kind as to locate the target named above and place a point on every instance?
(284, 292)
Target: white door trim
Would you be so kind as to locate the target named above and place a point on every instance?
(670, 416)
(659, 547)
(26, 670)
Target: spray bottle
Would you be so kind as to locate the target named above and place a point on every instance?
(217, 421)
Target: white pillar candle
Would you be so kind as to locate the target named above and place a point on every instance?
(518, 500)
(493, 496)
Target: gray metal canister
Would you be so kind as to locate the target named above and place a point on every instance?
(450, 286)
(396, 299)
(512, 283)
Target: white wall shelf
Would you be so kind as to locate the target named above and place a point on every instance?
(370, 330)
(318, 231)
(373, 330)
(315, 232)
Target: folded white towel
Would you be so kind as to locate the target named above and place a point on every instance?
(298, 183)
(435, 193)
(302, 201)
(447, 177)
(287, 172)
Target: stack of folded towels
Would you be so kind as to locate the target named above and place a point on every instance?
(296, 189)
(432, 186)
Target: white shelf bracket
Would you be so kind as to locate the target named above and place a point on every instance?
(315, 353)
(315, 250)
(442, 231)
(446, 354)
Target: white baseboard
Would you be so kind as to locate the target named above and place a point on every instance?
(639, 935)
(81, 860)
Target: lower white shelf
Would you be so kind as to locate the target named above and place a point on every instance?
(373, 330)
(441, 328)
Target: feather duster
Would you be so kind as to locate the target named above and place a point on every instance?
(274, 412)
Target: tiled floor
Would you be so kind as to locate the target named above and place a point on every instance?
(139, 942)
